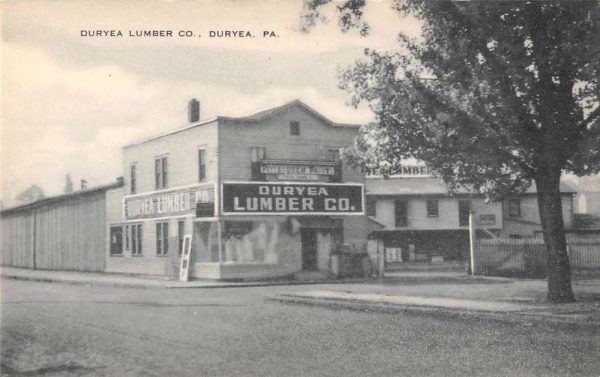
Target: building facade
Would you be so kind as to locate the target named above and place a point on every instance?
(262, 196)
(418, 217)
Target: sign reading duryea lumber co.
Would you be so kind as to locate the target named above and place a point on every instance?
(198, 200)
(292, 198)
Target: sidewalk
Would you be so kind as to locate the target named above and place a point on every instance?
(501, 299)
(143, 281)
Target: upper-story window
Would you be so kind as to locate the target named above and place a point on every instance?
(201, 165)
(433, 208)
(371, 207)
(464, 210)
(514, 207)
(133, 178)
(295, 128)
(401, 213)
(161, 173)
(334, 155)
(256, 155)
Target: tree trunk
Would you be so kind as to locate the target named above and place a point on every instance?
(559, 272)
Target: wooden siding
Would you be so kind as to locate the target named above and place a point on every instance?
(69, 235)
(181, 150)
(17, 237)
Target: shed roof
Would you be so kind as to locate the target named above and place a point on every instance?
(63, 197)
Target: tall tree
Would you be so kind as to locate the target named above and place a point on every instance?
(493, 95)
(31, 194)
(68, 184)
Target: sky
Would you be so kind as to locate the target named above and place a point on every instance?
(71, 99)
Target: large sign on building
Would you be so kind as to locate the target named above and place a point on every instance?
(292, 198)
(198, 200)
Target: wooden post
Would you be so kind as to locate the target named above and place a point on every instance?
(33, 241)
(380, 259)
(472, 241)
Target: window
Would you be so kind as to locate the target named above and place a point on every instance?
(257, 153)
(160, 173)
(514, 207)
(371, 208)
(132, 178)
(116, 240)
(162, 238)
(334, 155)
(464, 209)
(433, 209)
(201, 165)
(400, 211)
(180, 235)
(295, 128)
(133, 237)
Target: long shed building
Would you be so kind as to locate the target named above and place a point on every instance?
(65, 232)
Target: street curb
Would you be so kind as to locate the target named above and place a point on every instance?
(81, 282)
(173, 284)
(434, 311)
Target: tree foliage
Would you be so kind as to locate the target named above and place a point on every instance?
(68, 184)
(493, 95)
(31, 194)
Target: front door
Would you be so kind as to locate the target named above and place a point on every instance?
(308, 238)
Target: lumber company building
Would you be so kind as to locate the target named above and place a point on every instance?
(263, 196)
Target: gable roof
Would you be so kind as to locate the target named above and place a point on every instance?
(268, 113)
(253, 118)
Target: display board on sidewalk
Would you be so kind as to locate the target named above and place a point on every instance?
(186, 248)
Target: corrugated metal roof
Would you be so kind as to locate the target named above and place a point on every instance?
(64, 197)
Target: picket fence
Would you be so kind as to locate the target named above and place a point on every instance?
(526, 257)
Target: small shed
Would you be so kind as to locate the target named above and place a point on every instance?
(65, 232)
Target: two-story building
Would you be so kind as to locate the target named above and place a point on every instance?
(416, 214)
(263, 196)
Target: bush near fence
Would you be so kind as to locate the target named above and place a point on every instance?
(526, 257)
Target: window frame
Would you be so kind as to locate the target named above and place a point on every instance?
(161, 172)
(433, 208)
(295, 128)
(461, 204)
(201, 164)
(514, 207)
(180, 235)
(133, 178)
(112, 252)
(371, 207)
(401, 221)
(134, 233)
(162, 235)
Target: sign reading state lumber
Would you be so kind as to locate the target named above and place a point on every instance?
(292, 198)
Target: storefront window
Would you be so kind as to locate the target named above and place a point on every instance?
(253, 241)
(205, 242)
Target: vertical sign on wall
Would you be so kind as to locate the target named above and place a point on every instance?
(184, 268)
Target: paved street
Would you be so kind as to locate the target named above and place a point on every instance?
(58, 329)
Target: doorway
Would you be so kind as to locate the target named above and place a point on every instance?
(308, 238)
